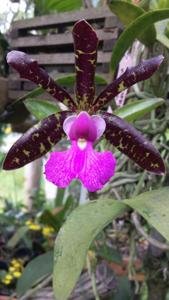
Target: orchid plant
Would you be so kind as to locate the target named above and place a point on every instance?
(83, 122)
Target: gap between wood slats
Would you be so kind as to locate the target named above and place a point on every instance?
(66, 58)
(57, 39)
(61, 18)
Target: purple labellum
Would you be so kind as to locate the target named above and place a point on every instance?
(29, 69)
(36, 142)
(81, 161)
(129, 141)
(131, 76)
(85, 44)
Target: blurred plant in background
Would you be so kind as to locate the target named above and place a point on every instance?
(134, 251)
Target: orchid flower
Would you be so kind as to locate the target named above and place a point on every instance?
(80, 122)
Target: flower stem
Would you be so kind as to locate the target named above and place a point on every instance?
(93, 279)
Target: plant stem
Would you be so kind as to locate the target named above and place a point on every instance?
(93, 279)
(31, 292)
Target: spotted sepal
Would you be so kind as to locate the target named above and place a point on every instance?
(85, 44)
(129, 141)
(36, 142)
(131, 76)
(29, 69)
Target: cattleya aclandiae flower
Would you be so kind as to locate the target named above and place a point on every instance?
(80, 122)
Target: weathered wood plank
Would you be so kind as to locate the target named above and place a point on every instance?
(66, 58)
(61, 18)
(13, 95)
(57, 39)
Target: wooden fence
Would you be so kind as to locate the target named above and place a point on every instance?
(48, 39)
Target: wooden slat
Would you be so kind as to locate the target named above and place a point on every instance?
(61, 18)
(56, 39)
(66, 58)
(12, 95)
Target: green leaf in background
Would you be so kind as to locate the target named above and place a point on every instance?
(49, 219)
(127, 13)
(41, 108)
(70, 80)
(159, 4)
(74, 239)
(64, 81)
(18, 235)
(110, 254)
(154, 207)
(123, 290)
(46, 7)
(162, 34)
(133, 31)
(39, 268)
(136, 109)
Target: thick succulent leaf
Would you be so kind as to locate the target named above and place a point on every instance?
(129, 141)
(74, 239)
(137, 27)
(127, 13)
(41, 108)
(153, 207)
(35, 271)
(136, 109)
(29, 69)
(85, 43)
(131, 76)
(36, 141)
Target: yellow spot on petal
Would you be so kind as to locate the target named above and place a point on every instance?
(121, 86)
(92, 61)
(16, 160)
(49, 90)
(50, 142)
(78, 69)
(26, 152)
(155, 165)
(42, 148)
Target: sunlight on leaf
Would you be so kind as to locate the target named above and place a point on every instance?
(132, 32)
(136, 109)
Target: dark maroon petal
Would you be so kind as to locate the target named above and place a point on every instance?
(85, 44)
(129, 141)
(36, 141)
(131, 76)
(29, 69)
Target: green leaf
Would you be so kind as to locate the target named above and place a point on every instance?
(136, 109)
(46, 7)
(40, 108)
(18, 235)
(72, 244)
(39, 268)
(110, 254)
(70, 80)
(123, 290)
(48, 218)
(159, 4)
(153, 206)
(127, 13)
(133, 31)
(162, 37)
